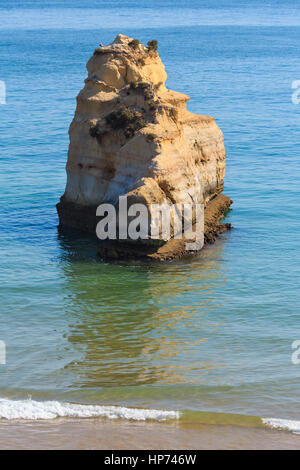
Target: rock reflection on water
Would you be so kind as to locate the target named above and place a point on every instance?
(136, 323)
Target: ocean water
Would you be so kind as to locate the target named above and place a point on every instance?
(208, 338)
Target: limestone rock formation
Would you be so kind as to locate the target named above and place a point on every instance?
(132, 136)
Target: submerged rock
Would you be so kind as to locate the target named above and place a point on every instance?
(133, 137)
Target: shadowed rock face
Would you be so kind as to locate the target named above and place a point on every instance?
(132, 136)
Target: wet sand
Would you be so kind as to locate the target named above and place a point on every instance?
(119, 435)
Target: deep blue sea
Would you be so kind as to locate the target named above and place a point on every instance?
(213, 333)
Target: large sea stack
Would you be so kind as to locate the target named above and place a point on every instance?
(131, 136)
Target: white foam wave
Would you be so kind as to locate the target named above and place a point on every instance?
(31, 409)
(284, 424)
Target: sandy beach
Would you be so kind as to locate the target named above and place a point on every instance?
(107, 435)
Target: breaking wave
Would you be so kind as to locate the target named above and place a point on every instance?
(283, 424)
(31, 409)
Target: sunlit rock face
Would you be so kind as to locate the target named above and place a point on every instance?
(132, 136)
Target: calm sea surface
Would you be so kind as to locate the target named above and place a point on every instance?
(211, 334)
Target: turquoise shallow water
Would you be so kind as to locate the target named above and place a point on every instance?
(211, 334)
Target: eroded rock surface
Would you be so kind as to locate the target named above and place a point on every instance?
(132, 136)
